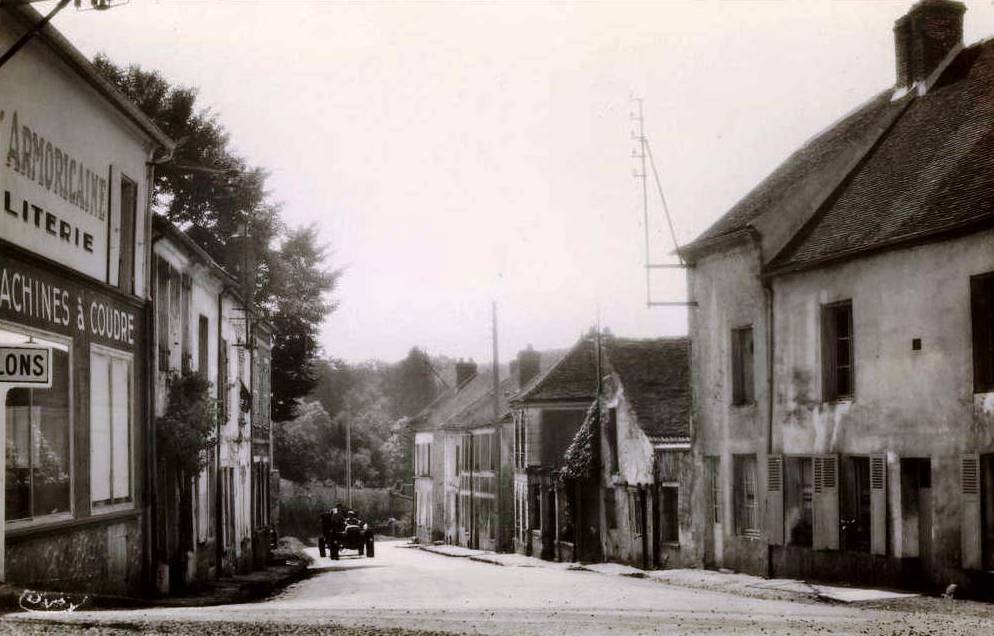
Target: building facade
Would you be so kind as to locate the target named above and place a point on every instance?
(74, 274)
(842, 356)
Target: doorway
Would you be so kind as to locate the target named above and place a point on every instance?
(916, 509)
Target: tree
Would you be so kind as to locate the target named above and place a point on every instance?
(297, 301)
(212, 193)
(412, 384)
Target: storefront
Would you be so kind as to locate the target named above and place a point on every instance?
(73, 277)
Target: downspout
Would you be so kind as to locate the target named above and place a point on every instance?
(768, 298)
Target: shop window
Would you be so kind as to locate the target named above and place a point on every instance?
(799, 500)
(743, 386)
(610, 509)
(111, 403)
(982, 311)
(837, 351)
(612, 439)
(746, 502)
(669, 514)
(38, 432)
(855, 519)
(129, 206)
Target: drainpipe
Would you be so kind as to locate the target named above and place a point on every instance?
(768, 298)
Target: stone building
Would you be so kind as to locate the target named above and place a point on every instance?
(463, 457)
(203, 325)
(74, 276)
(842, 357)
(646, 473)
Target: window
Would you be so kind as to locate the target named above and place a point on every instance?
(610, 509)
(743, 386)
(38, 432)
(669, 514)
(203, 345)
(855, 520)
(799, 500)
(520, 439)
(162, 311)
(636, 510)
(612, 438)
(129, 205)
(223, 392)
(837, 349)
(746, 504)
(111, 403)
(714, 481)
(982, 312)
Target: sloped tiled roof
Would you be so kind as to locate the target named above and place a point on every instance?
(572, 378)
(453, 401)
(932, 173)
(655, 375)
(798, 169)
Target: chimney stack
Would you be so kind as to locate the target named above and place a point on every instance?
(529, 364)
(241, 263)
(923, 38)
(465, 371)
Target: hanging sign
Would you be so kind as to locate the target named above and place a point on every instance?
(25, 365)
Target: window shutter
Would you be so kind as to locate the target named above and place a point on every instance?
(185, 342)
(970, 524)
(878, 504)
(774, 499)
(826, 503)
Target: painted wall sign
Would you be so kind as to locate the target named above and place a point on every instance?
(55, 198)
(26, 365)
(33, 296)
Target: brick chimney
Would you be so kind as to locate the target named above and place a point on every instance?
(923, 38)
(241, 262)
(529, 364)
(465, 371)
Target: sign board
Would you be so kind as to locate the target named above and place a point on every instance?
(25, 365)
(54, 190)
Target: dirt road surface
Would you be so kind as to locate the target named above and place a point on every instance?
(406, 591)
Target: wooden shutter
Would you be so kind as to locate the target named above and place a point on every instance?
(826, 503)
(878, 504)
(774, 499)
(970, 526)
(186, 291)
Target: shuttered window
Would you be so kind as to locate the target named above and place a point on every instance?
(837, 351)
(743, 386)
(982, 314)
(746, 496)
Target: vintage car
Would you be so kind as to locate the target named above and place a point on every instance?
(344, 531)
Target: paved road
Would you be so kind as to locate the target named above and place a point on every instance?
(408, 591)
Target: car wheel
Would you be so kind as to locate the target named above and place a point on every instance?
(369, 549)
(321, 547)
(361, 549)
(334, 551)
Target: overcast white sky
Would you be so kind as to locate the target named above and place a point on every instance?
(457, 153)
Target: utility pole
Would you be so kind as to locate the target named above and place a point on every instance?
(348, 459)
(496, 456)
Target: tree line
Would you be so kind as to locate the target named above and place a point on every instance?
(212, 193)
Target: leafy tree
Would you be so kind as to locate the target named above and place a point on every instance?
(211, 192)
(297, 303)
(412, 384)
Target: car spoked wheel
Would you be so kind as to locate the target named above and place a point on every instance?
(369, 548)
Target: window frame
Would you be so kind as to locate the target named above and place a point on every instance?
(746, 524)
(983, 367)
(743, 371)
(830, 339)
(97, 508)
(67, 342)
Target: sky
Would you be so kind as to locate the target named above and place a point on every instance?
(457, 154)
